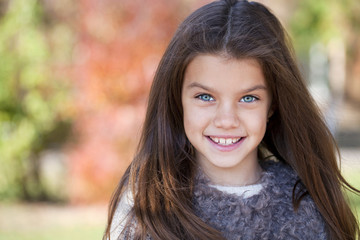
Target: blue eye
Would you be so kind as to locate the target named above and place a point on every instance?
(248, 99)
(205, 97)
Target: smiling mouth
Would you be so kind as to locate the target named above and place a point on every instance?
(225, 141)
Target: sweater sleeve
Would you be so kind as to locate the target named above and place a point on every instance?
(121, 215)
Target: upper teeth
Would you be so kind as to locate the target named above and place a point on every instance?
(225, 141)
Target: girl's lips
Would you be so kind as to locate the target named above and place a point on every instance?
(225, 144)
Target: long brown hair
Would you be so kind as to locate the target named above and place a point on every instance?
(161, 175)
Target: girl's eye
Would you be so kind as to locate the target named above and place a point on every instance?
(248, 99)
(205, 97)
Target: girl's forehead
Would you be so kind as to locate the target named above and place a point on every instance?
(221, 64)
(224, 59)
(216, 70)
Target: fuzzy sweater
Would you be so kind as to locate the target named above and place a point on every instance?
(268, 214)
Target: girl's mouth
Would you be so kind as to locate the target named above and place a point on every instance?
(225, 141)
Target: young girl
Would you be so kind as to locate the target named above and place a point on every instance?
(233, 146)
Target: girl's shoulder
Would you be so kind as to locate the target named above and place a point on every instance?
(305, 221)
(282, 184)
(122, 214)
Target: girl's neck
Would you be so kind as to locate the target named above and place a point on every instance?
(249, 174)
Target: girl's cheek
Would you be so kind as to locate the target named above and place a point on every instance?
(255, 120)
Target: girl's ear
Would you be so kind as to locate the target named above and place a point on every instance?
(270, 112)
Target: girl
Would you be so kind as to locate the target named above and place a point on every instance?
(233, 146)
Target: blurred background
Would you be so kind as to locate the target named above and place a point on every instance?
(74, 80)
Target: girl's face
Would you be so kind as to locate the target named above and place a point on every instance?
(226, 106)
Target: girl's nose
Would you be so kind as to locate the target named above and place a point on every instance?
(226, 117)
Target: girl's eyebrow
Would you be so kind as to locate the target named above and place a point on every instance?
(256, 87)
(199, 85)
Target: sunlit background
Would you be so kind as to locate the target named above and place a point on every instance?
(74, 80)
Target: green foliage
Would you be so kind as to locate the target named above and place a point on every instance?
(352, 175)
(315, 21)
(32, 98)
(319, 21)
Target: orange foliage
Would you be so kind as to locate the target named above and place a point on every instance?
(118, 48)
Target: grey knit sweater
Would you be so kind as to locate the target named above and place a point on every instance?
(267, 215)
